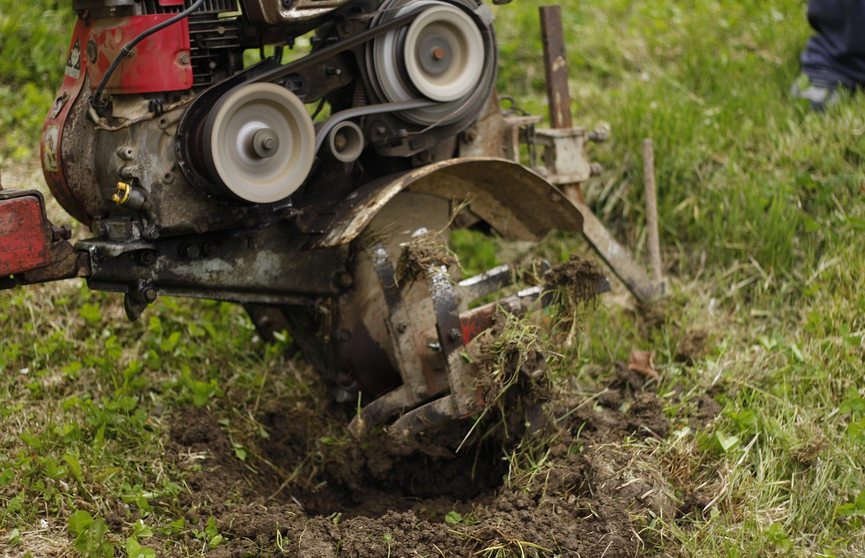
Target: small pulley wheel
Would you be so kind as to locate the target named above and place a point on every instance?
(259, 143)
(444, 53)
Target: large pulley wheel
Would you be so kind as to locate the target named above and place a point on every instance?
(259, 143)
(446, 55)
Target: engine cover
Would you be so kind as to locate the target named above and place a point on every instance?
(172, 136)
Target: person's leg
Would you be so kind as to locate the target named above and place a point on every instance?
(835, 55)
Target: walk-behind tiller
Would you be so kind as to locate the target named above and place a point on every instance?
(293, 185)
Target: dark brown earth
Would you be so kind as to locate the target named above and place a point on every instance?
(565, 468)
(594, 487)
(581, 277)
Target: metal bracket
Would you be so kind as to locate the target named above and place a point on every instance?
(564, 155)
(32, 249)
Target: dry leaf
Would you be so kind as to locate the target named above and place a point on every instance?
(641, 363)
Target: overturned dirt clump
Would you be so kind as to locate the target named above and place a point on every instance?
(564, 469)
(579, 279)
(424, 250)
(570, 488)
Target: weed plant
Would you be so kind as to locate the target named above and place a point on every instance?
(762, 224)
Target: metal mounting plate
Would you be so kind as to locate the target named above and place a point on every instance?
(25, 234)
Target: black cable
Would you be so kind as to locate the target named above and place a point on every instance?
(124, 52)
(318, 109)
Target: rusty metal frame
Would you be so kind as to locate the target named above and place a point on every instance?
(608, 248)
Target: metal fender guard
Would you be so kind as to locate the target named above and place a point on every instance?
(403, 342)
(512, 199)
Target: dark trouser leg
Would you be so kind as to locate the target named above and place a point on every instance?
(836, 54)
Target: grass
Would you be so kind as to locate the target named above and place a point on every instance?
(762, 221)
(33, 43)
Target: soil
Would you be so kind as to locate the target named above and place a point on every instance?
(581, 278)
(310, 490)
(555, 469)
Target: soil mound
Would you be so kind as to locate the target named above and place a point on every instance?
(571, 488)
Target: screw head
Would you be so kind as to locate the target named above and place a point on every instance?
(345, 279)
(191, 251)
(147, 257)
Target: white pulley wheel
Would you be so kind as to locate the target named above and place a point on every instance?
(346, 142)
(260, 143)
(444, 53)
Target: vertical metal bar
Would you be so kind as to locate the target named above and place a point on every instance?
(556, 66)
(633, 276)
(652, 210)
(556, 69)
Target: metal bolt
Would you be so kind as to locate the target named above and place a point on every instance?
(345, 279)
(149, 294)
(438, 53)
(61, 233)
(265, 143)
(401, 328)
(454, 334)
(129, 171)
(147, 258)
(92, 50)
(191, 251)
(210, 249)
(184, 58)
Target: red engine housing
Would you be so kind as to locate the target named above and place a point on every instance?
(159, 63)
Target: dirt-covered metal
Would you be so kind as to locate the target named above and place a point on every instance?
(319, 192)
